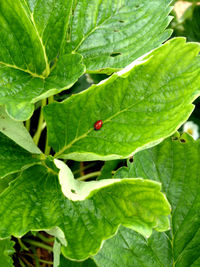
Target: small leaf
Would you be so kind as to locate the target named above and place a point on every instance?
(111, 34)
(17, 132)
(13, 158)
(35, 201)
(139, 106)
(6, 251)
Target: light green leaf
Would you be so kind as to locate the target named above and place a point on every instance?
(50, 19)
(6, 250)
(139, 106)
(13, 158)
(34, 67)
(175, 163)
(17, 132)
(35, 201)
(111, 34)
(61, 261)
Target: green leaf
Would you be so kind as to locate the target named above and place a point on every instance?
(174, 163)
(13, 158)
(19, 90)
(192, 26)
(111, 34)
(61, 261)
(17, 132)
(34, 67)
(6, 250)
(129, 249)
(108, 167)
(35, 201)
(139, 106)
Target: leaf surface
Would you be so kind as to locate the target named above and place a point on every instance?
(13, 157)
(17, 132)
(111, 34)
(175, 163)
(6, 250)
(139, 106)
(34, 67)
(35, 201)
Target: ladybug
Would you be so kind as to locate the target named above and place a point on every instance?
(98, 125)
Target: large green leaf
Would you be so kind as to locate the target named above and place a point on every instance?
(111, 34)
(29, 69)
(175, 163)
(6, 250)
(129, 249)
(17, 132)
(139, 106)
(13, 158)
(35, 201)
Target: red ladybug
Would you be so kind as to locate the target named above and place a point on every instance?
(98, 125)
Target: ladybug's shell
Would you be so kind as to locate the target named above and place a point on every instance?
(98, 125)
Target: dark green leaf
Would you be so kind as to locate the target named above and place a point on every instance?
(6, 250)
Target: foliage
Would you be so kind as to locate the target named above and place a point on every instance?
(144, 89)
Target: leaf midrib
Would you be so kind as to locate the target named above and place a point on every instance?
(46, 72)
(111, 117)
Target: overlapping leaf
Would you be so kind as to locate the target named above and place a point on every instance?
(13, 158)
(28, 66)
(175, 163)
(129, 248)
(17, 132)
(139, 106)
(111, 34)
(6, 250)
(35, 201)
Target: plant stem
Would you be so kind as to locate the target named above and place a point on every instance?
(47, 147)
(89, 175)
(22, 244)
(28, 125)
(28, 263)
(37, 135)
(45, 239)
(85, 168)
(47, 262)
(50, 99)
(22, 264)
(38, 244)
(37, 264)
